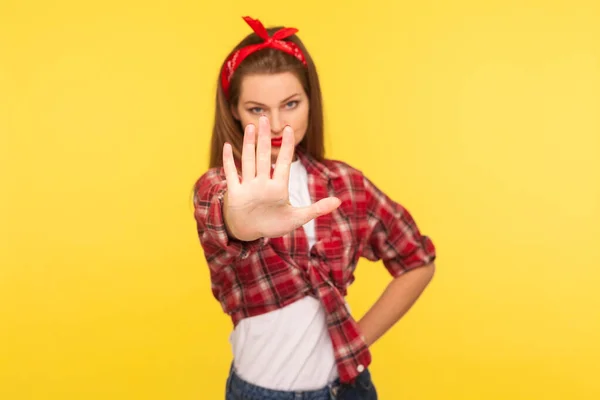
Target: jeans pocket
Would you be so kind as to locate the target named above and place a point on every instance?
(362, 389)
(365, 384)
(232, 392)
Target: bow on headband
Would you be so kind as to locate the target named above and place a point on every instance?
(274, 42)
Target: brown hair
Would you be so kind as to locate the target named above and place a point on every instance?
(267, 61)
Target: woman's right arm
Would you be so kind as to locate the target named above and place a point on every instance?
(210, 209)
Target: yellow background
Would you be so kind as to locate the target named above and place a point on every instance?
(482, 118)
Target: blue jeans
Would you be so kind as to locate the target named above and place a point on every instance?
(361, 389)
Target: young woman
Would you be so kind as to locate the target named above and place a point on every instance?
(283, 228)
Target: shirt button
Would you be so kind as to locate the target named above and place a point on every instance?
(360, 368)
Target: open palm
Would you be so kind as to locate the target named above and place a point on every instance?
(258, 205)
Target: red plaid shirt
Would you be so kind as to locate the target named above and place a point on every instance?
(251, 278)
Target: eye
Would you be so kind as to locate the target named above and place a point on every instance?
(256, 110)
(291, 104)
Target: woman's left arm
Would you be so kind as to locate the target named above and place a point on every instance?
(394, 238)
(396, 300)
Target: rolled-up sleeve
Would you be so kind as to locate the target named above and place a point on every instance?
(219, 248)
(392, 234)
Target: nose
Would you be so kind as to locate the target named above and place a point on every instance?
(277, 123)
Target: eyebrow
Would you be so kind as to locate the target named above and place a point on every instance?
(264, 105)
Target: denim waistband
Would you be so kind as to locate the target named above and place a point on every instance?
(238, 388)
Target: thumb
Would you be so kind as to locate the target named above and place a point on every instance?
(321, 207)
(325, 206)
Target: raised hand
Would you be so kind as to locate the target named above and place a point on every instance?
(259, 206)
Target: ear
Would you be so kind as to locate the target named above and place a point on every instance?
(234, 112)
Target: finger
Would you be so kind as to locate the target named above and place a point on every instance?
(285, 156)
(324, 206)
(263, 151)
(231, 174)
(248, 154)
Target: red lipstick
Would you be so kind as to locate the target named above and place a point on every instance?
(276, 142)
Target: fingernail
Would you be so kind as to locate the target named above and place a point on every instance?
(251, 128)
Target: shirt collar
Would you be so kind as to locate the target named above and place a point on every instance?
(313, 166)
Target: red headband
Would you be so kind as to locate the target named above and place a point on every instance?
(274, 42)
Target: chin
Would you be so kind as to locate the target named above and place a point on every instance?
(274, 154)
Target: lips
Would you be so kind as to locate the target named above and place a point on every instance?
(276, 142)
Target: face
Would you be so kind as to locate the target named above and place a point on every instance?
(281, 98)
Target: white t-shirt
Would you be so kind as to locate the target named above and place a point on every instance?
(289, 348)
